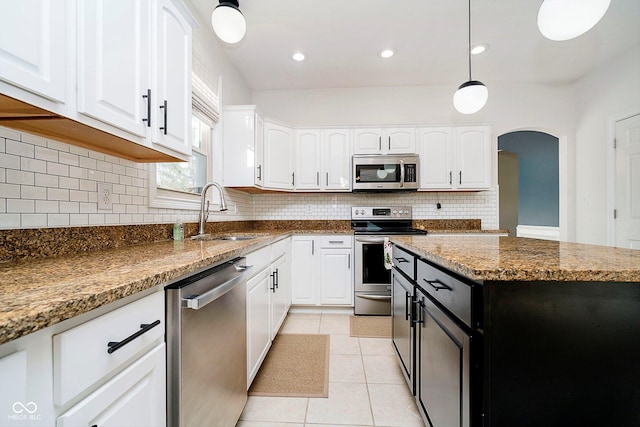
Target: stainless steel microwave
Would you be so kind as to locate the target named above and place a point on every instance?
(372, 172)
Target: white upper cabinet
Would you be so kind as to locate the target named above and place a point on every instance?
(242, 139)
(384, 141)
(455, 158)
(436, 157)
(473, 157)
(114, 46)
(172, 78)
(323, 160)
(336, 160)
(278, 157)
(308, 159)
(33, 48)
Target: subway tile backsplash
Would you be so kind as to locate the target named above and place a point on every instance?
(45, 183)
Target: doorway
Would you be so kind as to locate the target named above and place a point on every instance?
(528, 178)
(627, 183)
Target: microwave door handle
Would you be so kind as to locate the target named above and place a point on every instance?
(401, 173)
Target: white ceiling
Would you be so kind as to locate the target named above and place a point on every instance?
(341, 39)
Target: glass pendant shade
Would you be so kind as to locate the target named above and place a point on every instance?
(228, 22)
(561, 20)
(470, 97)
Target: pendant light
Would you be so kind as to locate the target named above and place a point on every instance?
(561, 20)
(228, 22)
(471, 95)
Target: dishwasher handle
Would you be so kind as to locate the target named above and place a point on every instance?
(196, 302)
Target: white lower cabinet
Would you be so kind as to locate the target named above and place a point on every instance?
(64, 375)
(268, 301)
(135, 397)
(258, 330)
(321, 270)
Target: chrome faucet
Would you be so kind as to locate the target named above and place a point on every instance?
(202, 219)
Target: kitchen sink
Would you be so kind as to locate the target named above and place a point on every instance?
(236, 238)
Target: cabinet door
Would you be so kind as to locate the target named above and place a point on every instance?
(241, 126)
(281, 295)
(367, 141)
(336, 277)
(172, 71)
(435, 148)
(258, 329)
(278, 157)
(33, 46)
(307, 159)
(113, 60)
(136, 396)
(303, 270)
(473, 158)
(258, 169)
(399, 141)
(336, 160)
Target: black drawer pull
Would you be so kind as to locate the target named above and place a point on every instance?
(115, 345)
(401, 260)
(435, 283)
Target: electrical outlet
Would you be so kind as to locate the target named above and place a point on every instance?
(105, 196)
(309, 209)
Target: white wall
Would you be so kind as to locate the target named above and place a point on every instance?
(605, 93)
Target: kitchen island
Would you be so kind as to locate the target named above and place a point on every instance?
(553, 327)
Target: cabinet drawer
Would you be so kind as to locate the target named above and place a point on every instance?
(404, 261)
(258, 260)
(136, 396)
(80, 356)
(449, 291)
(337, 241)
(279, 248)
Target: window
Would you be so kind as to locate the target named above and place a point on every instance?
(189, 177)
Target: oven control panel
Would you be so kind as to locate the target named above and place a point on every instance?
(368, 212)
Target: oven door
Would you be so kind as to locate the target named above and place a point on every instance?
(370, 274)
(372, 290)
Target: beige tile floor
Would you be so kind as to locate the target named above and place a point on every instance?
(366, 387)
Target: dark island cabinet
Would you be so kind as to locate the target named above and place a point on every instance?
(561, 354)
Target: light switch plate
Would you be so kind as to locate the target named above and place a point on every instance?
(105, 196)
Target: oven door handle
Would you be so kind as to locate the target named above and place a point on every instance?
(370, 239)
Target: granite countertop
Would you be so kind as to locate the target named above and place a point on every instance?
(498, 258)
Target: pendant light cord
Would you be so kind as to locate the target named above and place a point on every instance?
(469, 50)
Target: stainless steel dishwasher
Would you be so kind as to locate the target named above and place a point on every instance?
(206, 347)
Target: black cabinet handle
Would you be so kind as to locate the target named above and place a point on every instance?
(148, 97)
(317, 178)
(460, 177)
(407, 297)
(419, 317)
(327, 179)
(259, 172)
(116, 345)
(277, 278)
(164, 107)
(380, 143)
(438, 285)
(450, 177)
(401, 260)
(389, 142)
(293, 178)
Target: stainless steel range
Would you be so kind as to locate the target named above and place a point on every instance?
(372, 280)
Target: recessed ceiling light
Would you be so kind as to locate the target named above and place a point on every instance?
(298, 56)
(479, 48)
(386, 53)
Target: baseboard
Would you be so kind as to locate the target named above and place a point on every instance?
(538, 232)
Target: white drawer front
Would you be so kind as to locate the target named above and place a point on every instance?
(135, 397)
(259, 259)
(80, 357)
(279, 248)
(336, 241)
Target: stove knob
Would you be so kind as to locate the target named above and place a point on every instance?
(362, 212)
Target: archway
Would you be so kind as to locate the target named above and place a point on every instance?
(529, 182)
